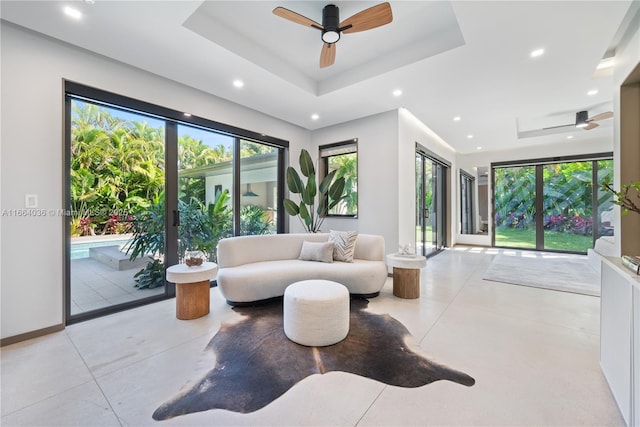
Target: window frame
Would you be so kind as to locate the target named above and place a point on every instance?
(328, 151)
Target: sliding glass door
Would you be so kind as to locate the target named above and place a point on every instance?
(146, 184)
(552, 205)
(514, 206)
(430, 204)
(259, 188)
(116, 175)
(568, 206)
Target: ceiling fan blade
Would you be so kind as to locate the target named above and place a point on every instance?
(373, 17)
(590, 126)
(328, 55)
(296, 17)
(601, 116)
(560, 126)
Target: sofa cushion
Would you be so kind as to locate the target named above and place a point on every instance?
(345, 245)
(263, 280)
(317, 251)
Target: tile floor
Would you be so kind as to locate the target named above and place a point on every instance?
(533, 353)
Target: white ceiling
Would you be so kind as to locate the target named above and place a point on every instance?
(460, 58)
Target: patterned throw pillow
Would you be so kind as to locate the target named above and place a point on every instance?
(345, 244)
(317, 251)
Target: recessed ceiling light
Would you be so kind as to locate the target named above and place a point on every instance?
(187, 114)
(536, 53)
(238, 83)
(478, 148)
(470, 136)
(74, 13)
(592, 92)
(570, 137)
(397, 92)
(456, 119)
(315, 117)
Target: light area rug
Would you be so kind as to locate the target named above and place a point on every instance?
(559, 272)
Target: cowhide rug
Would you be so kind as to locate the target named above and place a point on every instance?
(255, 363)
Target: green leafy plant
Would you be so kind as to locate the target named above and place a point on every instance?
(329, 194)
(623, 199)
(151, 276)
(255, 220)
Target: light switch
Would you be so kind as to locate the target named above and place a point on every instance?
(30, 201)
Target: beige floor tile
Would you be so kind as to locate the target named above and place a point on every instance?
(137, 390)
(116, 341)
(38, 369)
(559, 308)
(81, 406)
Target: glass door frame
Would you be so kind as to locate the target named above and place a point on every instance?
(172, 119)
(467, 203)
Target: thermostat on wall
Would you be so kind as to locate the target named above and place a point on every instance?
(30, 200)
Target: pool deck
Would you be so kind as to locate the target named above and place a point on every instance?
(95, 285)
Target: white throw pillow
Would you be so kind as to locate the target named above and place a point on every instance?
(345, 244)
(317, 251)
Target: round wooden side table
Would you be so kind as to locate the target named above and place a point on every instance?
(406, 274)
(192, 288)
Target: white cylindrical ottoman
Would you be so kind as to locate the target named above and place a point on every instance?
(316, 312)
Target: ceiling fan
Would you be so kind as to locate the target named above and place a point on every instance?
(585, 122)
(332, 28)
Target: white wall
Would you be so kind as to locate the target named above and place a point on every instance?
(33, 69)
(386, 174)
(377, 176)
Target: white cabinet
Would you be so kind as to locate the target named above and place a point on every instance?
(620, 336)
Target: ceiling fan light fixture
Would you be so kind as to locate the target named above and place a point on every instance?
(332, 28)
(330, 36)
(581, 119)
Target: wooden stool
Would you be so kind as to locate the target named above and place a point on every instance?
(192, 288)
(406, 274)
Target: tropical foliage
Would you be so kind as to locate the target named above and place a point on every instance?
(567, 197)
(329, 192)
(116, 169)
(117, 186)
(346, 166)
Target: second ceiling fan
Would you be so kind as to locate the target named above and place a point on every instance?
(332, 28)
(585, 122)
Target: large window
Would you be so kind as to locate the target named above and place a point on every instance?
(553, 204)
(144, 185)
(343, 157)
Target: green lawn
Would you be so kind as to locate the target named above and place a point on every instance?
(526, 238)
(567, 241)
(516, 237)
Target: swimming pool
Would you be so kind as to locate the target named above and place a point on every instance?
(81, 249)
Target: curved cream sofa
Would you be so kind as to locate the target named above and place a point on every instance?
(256, 268)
